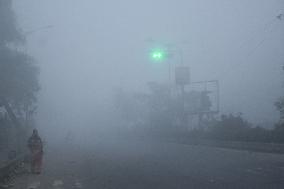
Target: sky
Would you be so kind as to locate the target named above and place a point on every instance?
(95, 47)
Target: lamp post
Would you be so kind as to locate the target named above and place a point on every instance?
(181, 73)
(164, 52)
(160, 55)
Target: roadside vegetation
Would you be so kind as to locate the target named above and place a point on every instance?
(18, 82)
(159, 113)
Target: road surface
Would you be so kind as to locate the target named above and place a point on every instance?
(130, 164)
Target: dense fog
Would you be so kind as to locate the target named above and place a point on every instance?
(141, 94)
(94, 47)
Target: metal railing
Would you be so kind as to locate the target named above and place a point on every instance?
(8, 169)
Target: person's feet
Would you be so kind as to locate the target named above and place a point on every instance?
(35, 172)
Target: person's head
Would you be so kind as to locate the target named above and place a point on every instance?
(35, 132)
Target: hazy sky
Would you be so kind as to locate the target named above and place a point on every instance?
(96, 46)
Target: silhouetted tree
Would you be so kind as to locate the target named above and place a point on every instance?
(18, 73)
(9, 32)
(280, 107)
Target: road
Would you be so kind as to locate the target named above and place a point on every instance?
(141, 164)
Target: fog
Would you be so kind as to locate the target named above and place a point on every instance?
(91, 48)
(141, 94)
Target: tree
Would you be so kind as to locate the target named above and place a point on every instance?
(229, 127)
(159, 109)
(18, 79)
(146, 110)
(279, 127)
(130, 106)
(163, 107)
(280, 107)
(9, 33)
(18, 72)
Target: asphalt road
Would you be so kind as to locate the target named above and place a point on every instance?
(130, 164)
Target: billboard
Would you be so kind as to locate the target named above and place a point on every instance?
(202, 97)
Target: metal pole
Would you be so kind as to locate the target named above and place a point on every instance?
(218, 95)
(181, 56)
(169, 72)
(184, 121)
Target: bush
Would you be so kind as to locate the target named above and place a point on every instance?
(236, 128)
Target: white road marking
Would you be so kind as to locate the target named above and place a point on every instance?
(57, 184)
(34, 185)
(78, 185)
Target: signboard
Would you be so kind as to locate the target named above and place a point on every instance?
(202, 97)
(182, 75)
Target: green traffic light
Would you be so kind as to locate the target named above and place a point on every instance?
(158, 55)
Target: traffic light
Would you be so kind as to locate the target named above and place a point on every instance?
(158, 55)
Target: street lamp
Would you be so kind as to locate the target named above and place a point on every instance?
(27, 33)
(165, 51)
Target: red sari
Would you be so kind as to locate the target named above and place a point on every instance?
(36, 148)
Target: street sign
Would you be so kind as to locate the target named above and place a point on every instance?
(182, 75)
